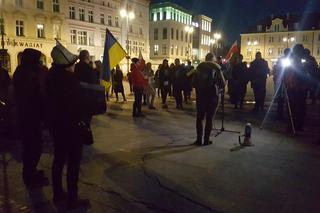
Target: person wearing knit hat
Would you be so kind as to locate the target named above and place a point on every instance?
(66, 111)
(30, 105)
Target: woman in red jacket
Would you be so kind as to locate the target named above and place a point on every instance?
(139, 83)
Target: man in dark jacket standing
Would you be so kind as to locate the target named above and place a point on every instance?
(30, 108)
(208, 81)
(259, 73)
(164, 82)
(83, 70)
(179, 81)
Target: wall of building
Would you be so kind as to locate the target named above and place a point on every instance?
(94, 28)
(277, 38)
(29, 16)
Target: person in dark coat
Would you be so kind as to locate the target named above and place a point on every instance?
(297, 83)
(208, 81)
(179, 83)
(67, 110)
(164, 82)
(4, 84)
(30, 109)
(83, 70)
(259, 71)
(118, 83)
(239, 82)
(188, 83)
(129, 78)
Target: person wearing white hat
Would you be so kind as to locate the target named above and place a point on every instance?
(67, 110)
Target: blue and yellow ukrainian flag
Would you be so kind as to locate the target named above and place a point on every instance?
(113, 54)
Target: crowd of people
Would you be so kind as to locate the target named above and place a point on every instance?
(54, 98)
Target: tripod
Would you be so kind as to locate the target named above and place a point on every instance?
(222, 129)
(281, 88)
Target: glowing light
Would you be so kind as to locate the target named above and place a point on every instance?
(217, 36)
(255, 43)
(123, 13)
(249, 43)
(285, 39)
(303, 60)
(292, 39)
(286, 62)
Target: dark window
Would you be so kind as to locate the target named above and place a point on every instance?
(155, 34)
(165, 33)
(172, 33)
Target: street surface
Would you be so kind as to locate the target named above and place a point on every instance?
(149, 165)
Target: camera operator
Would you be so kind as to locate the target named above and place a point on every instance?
(296, 81)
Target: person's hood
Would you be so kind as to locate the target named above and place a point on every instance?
(30, 57)
(63, 57)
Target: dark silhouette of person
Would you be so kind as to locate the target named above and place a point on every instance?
(164, 82)
(67, 109)
(208, 80)
(118, 83)
(83, 70)
(259, 71)
(297, 83)
(179, 83)
(30, 109)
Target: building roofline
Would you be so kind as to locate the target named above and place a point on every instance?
(169, 4)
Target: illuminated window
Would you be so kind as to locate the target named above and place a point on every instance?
(155, 49)
(40, 30)
(73, 36)
(19, 3)
(171, 49)
(82, 38)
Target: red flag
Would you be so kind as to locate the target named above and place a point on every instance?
(233, 50)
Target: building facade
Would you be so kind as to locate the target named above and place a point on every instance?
(202, 37)
(275, 34)
(32, 24)
(87, 21)
(171, 32)
(78, 24)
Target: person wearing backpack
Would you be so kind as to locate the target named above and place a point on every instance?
(208, 82)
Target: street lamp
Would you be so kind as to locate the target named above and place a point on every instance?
(188, 29)
(217, 37)
(128, 16)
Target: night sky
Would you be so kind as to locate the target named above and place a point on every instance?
(233, 17)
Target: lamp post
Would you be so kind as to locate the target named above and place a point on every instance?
(128, 16)
(217, 37)
(188, 30)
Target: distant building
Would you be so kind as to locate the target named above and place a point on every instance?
(88, 19)
(273, 35)
(32, 24)
(170, 32)
(78, 24)
(202, 36)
